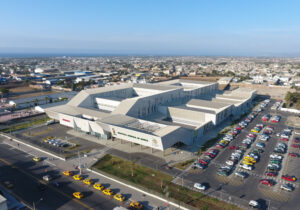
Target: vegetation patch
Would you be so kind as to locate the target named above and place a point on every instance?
(184, 165)
(155, 181)
(292, 100)
(25, 125)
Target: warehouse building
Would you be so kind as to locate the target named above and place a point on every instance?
(23, 103)
(156, 115)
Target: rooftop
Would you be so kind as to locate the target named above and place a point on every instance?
(207, 104)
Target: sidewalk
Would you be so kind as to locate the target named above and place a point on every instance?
(171, 155)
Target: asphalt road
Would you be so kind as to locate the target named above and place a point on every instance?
(249, 188)
(25, 174)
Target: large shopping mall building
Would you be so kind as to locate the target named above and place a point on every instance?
(154, 115)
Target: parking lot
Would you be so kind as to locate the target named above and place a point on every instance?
(219, 175)
(71, 145)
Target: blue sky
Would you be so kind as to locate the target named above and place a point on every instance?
(175, 27)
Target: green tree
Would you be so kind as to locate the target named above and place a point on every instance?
(36, 101)
(4, 91)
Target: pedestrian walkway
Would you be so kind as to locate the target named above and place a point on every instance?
(171, 155)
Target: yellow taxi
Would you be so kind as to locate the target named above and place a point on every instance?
(88, 181)
(136, 205)
(36, 159)
(77, 177)
(252, 160)
(47, 138)
(224, 142)
(254, 131)
(108, 191)
(78, 195)
(247, 163)
(98, 186)
(68, 173)
(119, 197)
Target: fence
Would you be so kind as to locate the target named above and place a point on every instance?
(168, 199)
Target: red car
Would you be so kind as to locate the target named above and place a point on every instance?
(293, 154)
(267, 182)
(233, 147)
(296, 140)
(284, 139)
(252, 135)
(239, 128)
(204, 162)
(271, 174)
(289, 178)
(296, 145)
(210, 155)
(219, 146)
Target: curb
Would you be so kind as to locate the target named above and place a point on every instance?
(40, 150)
(137, 189)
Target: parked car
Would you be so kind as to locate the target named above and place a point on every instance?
(241, 174)
(47, 178)
(287, 187)
(293, 154)
(289, 178)
(200, 186)
(260, 145)
(268, 173)
(268, 182)
(295, 145)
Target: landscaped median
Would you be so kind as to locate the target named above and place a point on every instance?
(155, 182)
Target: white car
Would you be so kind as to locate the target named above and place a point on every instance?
(276, 156)
(244, 166)
(200, 186)
(273, 165)
(230, 162)
(47, 178)
(287, 187)
(254, 204)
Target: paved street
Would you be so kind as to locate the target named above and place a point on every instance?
(11, 155)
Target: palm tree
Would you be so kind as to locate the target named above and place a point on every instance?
(132, 167)
(46, 99)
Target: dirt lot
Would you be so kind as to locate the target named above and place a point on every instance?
(21, 89)
(33, 94)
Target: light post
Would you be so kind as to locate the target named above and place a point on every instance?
(33, 206)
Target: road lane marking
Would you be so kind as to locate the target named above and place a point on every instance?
(45, 183)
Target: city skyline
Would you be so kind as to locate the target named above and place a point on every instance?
(231, 28)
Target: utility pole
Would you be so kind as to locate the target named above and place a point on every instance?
(79, 162)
